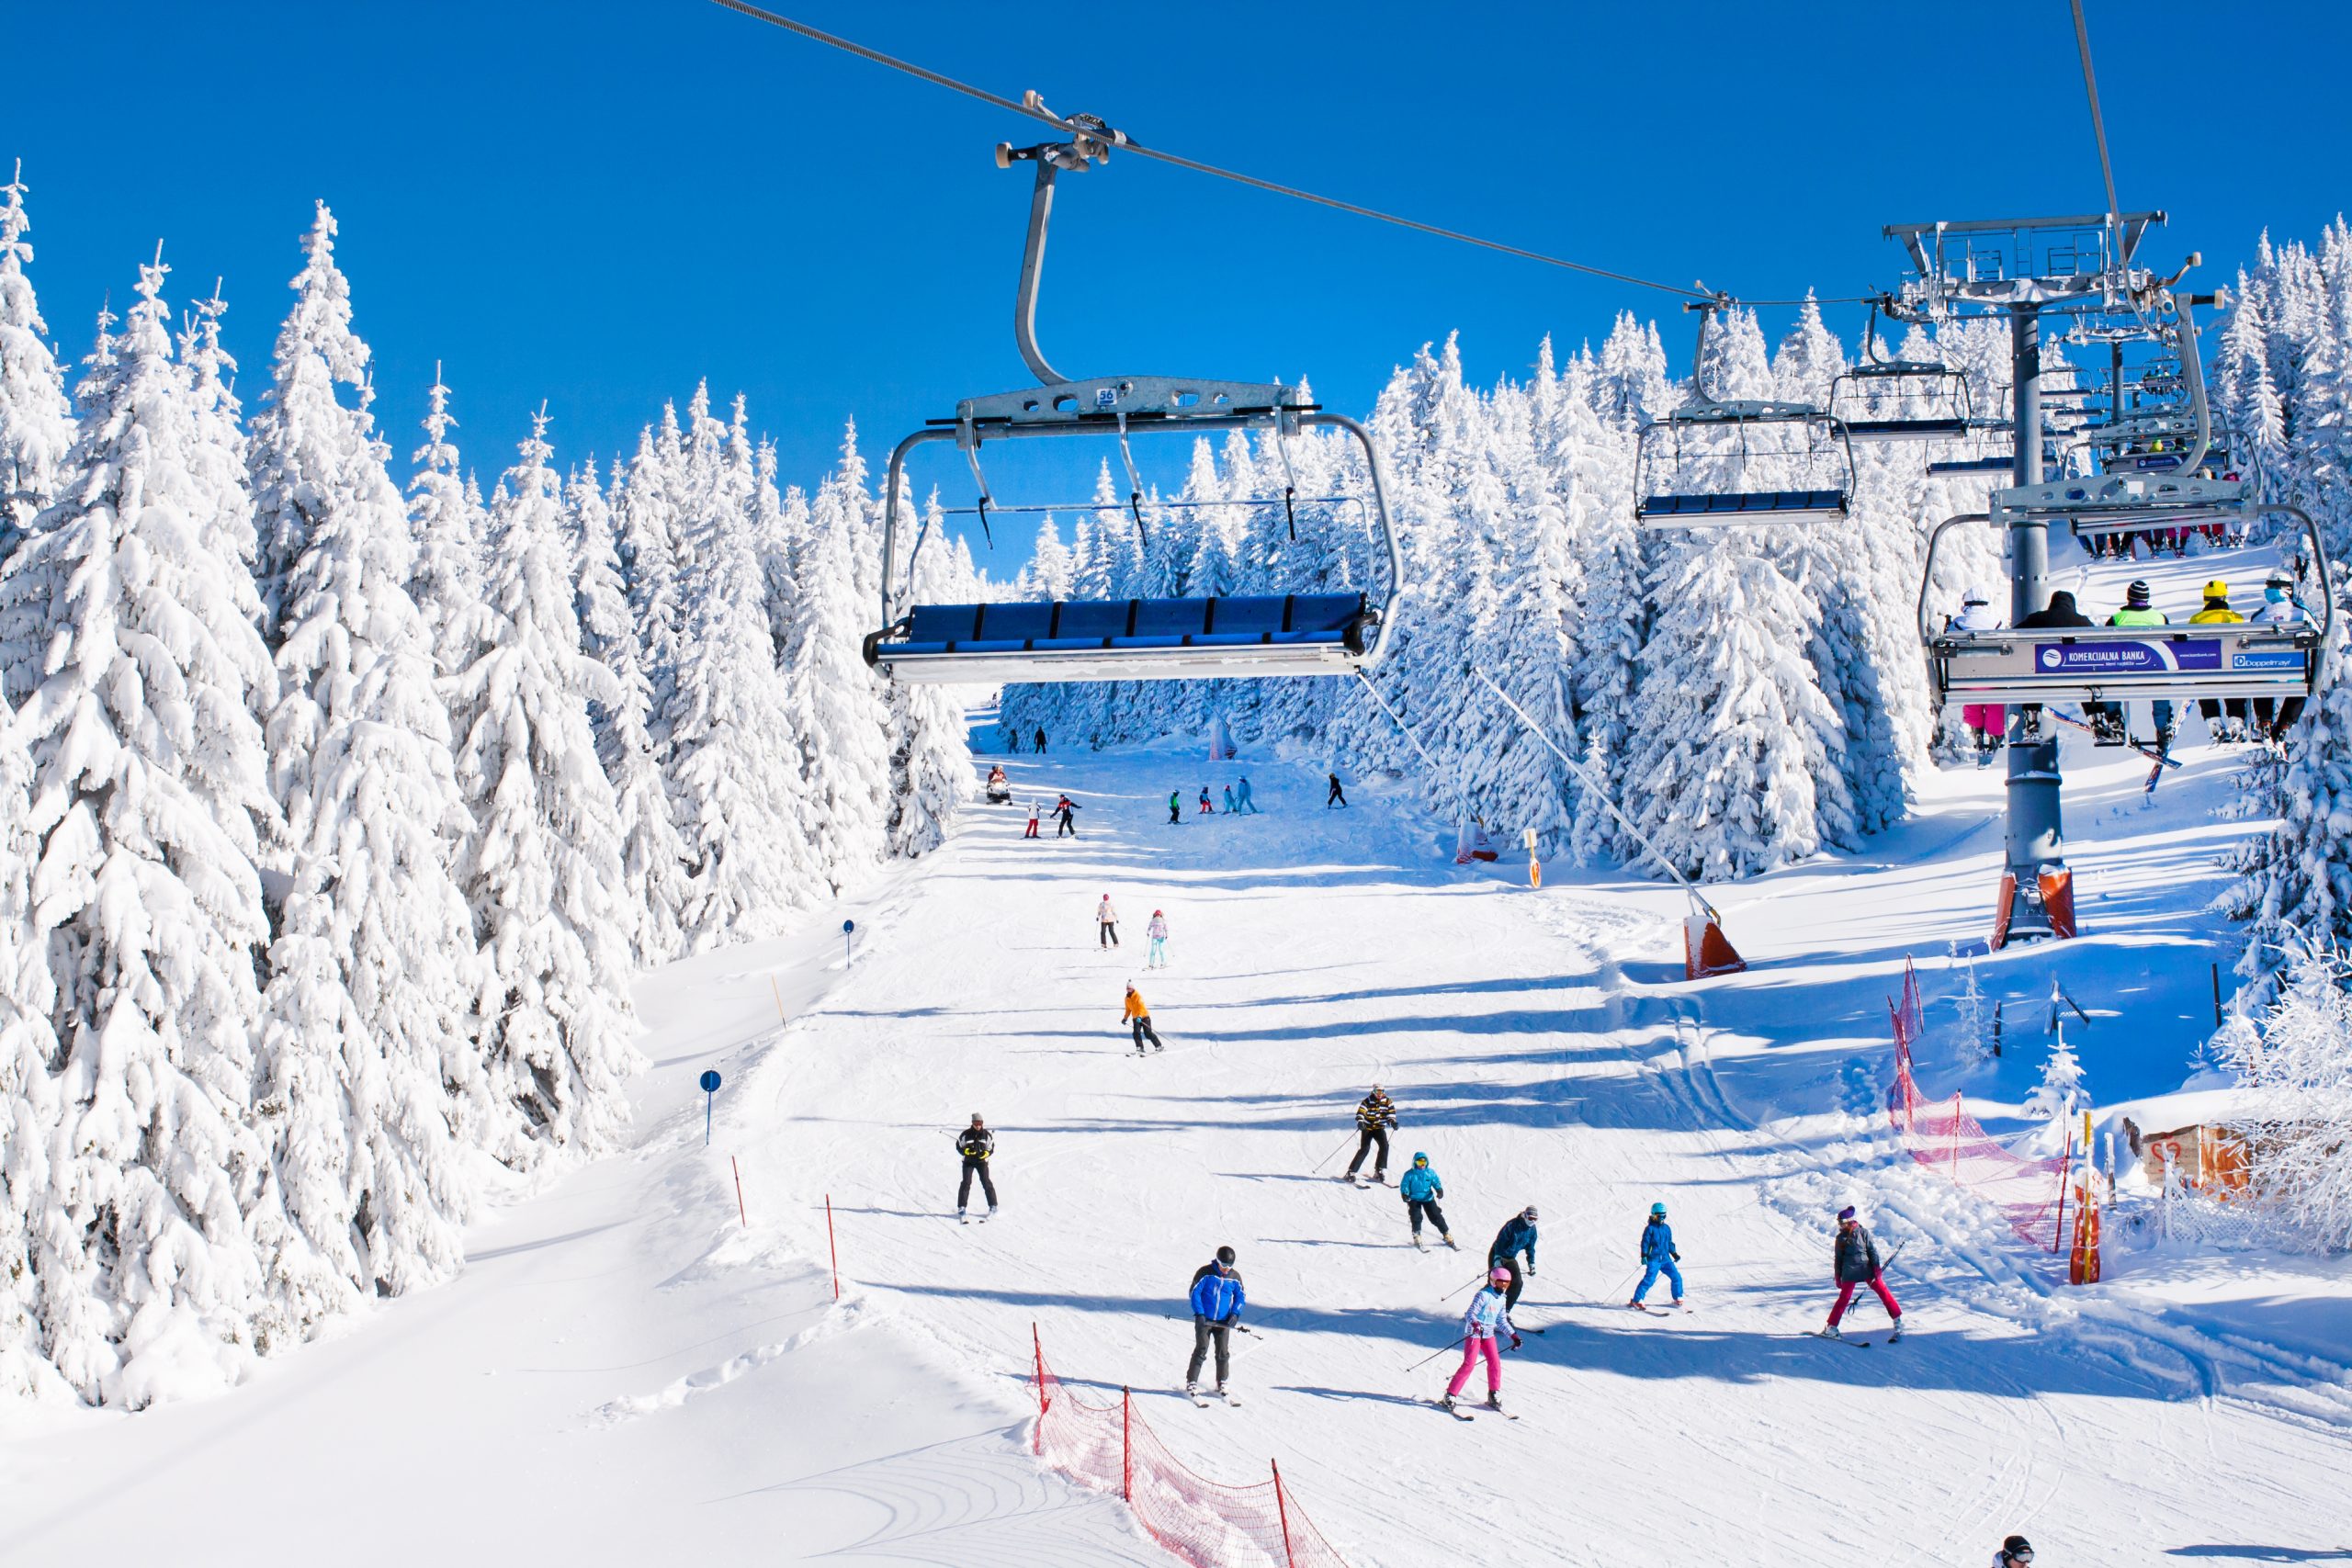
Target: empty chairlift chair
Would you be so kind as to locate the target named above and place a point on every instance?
(1730, 462)
(1126, 640)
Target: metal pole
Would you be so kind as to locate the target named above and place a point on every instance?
(2034, 837)
(1126, 1444)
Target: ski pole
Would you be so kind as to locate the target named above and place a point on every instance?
(1459, 1289)
(1326, 1159)
(1425, 1360)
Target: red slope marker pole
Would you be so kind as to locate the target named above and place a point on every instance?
(832, 1247)
(739, 1193)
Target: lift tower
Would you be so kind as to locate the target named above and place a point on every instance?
(2025, 269)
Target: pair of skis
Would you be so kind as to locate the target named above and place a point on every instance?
(1460, 1414)
(2159, 756)
(1201, 1400)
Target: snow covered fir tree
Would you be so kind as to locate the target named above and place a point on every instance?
(336, 822)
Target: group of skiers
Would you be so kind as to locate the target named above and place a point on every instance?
(1065, 808)
(1237, 803)
(1106, 929)
(2232, 719)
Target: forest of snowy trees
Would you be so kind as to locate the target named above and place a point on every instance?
(337, 816)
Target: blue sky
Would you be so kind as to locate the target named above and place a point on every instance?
(599, 203)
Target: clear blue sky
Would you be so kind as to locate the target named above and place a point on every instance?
(598, 203)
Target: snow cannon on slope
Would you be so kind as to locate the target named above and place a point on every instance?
(1706, 949)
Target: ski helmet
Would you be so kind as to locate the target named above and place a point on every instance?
(2017, 1548)
(2217, 589)
(1528, 1213)
(1225, 1256)
(1659, 1209)
(1499, 1274)
(2136, 595)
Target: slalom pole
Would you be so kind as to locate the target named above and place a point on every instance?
(1326, 1159)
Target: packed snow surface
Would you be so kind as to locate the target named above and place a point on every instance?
(627, 1373)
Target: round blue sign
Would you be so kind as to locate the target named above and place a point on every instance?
(710, 1081)
(849, 925)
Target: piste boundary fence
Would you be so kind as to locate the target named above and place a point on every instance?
(1943, 1137)
(1207, 1523)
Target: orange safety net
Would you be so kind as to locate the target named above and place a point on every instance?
(1207, 1523)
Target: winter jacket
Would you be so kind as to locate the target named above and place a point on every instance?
(1205, 1269)
(2128, 616)
(1376, 1110)
(1856, 1256)
(1106, 915)
(1657, 1241)
(2278, 611)
(1218, 1297)
(1066, 806)
(1157, 930)
(2062, 611)
(1515, 1237)
(975, 1144)
(2217, 612)
(1135, 1007)
(1977, 618)
(1421, 1184)
(1488, 1316)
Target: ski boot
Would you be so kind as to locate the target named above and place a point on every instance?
(1831, 1333)
(2106, 729)
(1637, 1306)
(1895, 1333)
(1449, 1241)
(1494, 1402)
(1445, 1403)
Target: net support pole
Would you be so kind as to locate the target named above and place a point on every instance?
(1039, 1345)
(1126, 1444)
(1282, 1513)
(1956, 1111)
(1584, 776)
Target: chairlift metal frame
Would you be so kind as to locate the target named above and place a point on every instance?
(1858, 396)
(1704, 421)
(1127, 639)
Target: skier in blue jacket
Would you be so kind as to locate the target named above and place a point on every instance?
(1420, 1188)
(1517, 1236)
(1659, 1256)
(1217, 1309)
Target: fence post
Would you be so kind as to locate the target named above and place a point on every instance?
(1957, 1111)
(1126, 1445)
(1282, 1512)
(738, 1205)
(1042, 1400)
(831, 1249)
(2065, 1170)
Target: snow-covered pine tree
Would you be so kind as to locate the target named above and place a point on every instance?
(36, 421)
(374, 1086)
(836, 708)
(931, 762)
(645, 510)
(2060, 1093)
(28, 1093)
(652, 857)
(446, 520)
(149, 784)
(2296, 1064)
(543, 872)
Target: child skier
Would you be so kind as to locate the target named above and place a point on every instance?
(1106, 923)
(1375, 1113)
(1659, 1256)
(1206, 809)
(1175, 809)
(976, 1143)
(1230, 809)
(1855, 1262)
(1488, 1318)
(1217, 1301)
(1156, 957)
(1421, 1189)
(1517, 1236)
(1037, 810)
(1139, 1016)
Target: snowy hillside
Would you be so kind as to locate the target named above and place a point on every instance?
(627, 1331)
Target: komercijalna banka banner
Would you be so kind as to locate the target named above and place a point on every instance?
(2127, 658)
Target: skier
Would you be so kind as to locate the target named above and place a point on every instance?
(976, 1143)
(1206, 809)
(1420, 1188)
(1061, 811)
(1156, 955)
(1230, 809)
(1335, 797)
(2062, 611)
(1106, 923)
(1217, 1301)
(1247, 804)
(1175, 809)
(2278, 608)
(1036, 810)
(1041, 740)
(1139, 1017)
(1517, 1236)
(1488, 1317)
(1012, 739)
(1659, 1256)
(2229, 718)
(1375, 1113)
(2138, 610)
(1855, 1261)
(2015, 1552)
(1984, 720)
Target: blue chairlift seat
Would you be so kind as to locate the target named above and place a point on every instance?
(1127, 638)
(1743, 505)
(1952, 429)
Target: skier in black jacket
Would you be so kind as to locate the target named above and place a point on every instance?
(1517, 1236)
(976, 1143)
(1375, 1113)
(1854, 1258)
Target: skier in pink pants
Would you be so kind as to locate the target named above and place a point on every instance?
(1856, 1262)
(1488, 1317)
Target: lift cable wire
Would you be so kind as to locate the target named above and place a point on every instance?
(1122, 142)
(2099, 123)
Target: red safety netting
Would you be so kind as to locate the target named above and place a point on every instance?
(1943, 1137)
(1204, 1522)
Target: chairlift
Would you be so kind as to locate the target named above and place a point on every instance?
(1729, 462)
(1125, 639)
(1881, 400)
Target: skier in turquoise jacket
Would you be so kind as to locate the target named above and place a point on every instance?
(1421, 1189)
